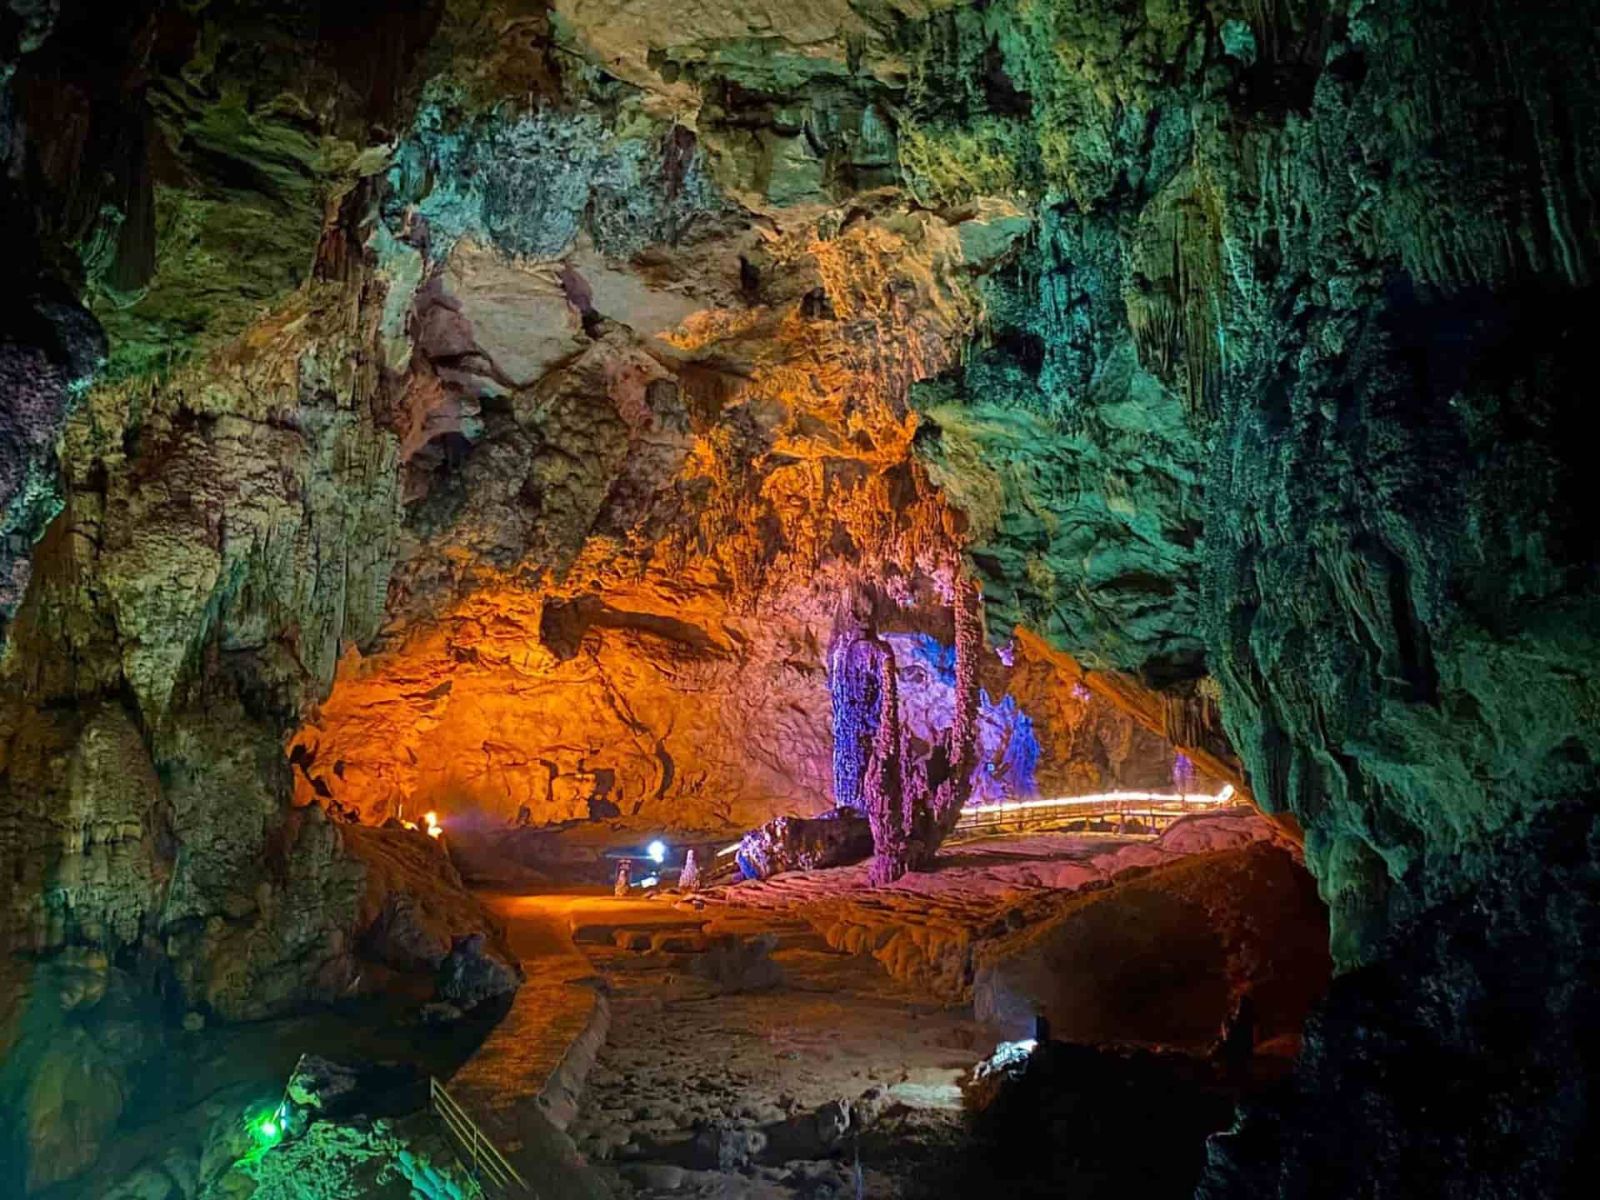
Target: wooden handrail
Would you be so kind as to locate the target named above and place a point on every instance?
(483, 1156)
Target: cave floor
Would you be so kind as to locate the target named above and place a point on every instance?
(727, 1072)
(805, 1036)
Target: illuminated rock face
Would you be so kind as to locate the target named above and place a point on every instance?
(499, 395)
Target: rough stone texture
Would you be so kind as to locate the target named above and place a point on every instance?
(833, 839)
(76, 1029)
(56, 351)
(930, 928)
(1327, 269)
(1163, 957)
(470, 350)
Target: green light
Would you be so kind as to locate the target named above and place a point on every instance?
(267, 1130)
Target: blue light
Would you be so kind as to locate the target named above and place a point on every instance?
(657, 850)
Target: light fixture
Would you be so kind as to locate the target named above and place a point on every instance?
(657, 850)
(267, 1129)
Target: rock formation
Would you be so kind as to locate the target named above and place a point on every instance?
(912, 790)
(489, 400)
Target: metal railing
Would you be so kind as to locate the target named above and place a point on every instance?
(483, 1157)
(1150, 809)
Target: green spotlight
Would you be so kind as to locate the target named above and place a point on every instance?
(267, 1130)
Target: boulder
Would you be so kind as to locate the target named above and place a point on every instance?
(320, 1089)
(471, 974)
(792, 843)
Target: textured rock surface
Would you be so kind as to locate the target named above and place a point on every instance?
(931, 929)
(1163, 958)
(499, 393)
(1323, 265)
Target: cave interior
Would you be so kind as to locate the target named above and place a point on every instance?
(824, 598)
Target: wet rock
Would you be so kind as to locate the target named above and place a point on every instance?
(657, 1176)
(322, 1090)
(440, 1013)
(75, 1095)
(739, 964)
(726, 1145)
(817, 1134)
(470, 974)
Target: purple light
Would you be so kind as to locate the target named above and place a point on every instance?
(853, 687)
(1008, 747)
(1183, 772)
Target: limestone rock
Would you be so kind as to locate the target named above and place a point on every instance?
(1161, 957)
(469, 975)
(493, 419)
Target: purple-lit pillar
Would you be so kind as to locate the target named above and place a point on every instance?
(854, 691)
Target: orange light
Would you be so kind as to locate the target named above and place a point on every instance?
(434, 828)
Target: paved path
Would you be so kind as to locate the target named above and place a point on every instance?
(521, 1086)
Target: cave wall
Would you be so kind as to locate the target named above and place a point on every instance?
(1300, 326)
(1298, 330)
(390, 407)
(405, 441)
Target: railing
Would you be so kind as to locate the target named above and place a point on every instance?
(1019, 816)
(1150, 808)
(488, 1165)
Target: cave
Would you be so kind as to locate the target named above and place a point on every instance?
(842, 598)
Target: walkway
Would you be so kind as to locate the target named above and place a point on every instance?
(521, 1086)
(1145, 812)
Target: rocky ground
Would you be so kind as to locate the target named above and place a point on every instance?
(790, 1071)
(929, 929)
(808, 1036)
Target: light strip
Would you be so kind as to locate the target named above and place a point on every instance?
(1222, 797)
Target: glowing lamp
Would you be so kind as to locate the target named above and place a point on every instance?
(657, 850)
(267, 1129)
(434, 828)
